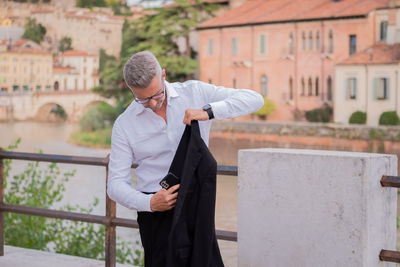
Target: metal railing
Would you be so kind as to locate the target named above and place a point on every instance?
(390, 255)
(109, 220)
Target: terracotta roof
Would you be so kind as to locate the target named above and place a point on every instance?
(21, 42)
(61, 69)
(378, 54)
(275, 11)
(74, 53)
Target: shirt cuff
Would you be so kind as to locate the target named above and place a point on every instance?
(219, 109)
(143, 203)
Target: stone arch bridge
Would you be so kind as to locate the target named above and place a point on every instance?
(38, 105)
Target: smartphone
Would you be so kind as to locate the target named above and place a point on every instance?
(169, 180)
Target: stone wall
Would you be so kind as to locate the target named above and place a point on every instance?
(227, 137)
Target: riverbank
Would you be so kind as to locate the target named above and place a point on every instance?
(97, 139)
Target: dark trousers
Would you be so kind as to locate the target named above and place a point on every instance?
(154, 229)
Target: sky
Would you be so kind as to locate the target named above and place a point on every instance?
(148, 3)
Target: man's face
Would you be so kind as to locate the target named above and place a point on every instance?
(152, 96)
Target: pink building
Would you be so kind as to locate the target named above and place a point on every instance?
(287, 50)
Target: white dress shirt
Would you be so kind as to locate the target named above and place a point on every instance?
(142, 137)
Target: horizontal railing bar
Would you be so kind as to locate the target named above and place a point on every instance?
(76, 216)
(96, 161)
(389, 255)
(390, 181)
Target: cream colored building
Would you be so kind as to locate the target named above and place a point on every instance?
(89, 30)
(25, 66)
(75, 70)
(368, 81)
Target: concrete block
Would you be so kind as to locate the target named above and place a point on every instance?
(314, 208)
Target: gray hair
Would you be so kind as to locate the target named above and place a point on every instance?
(140, 69)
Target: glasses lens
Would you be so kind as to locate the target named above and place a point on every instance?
(142, 101)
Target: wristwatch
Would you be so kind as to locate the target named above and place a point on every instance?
(209, 111)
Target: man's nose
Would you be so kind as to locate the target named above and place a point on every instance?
(152, 103)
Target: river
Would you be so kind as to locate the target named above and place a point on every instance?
(89, 181)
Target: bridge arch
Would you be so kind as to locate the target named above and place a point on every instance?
(51, 112)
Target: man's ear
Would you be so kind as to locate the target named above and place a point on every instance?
(163, 73)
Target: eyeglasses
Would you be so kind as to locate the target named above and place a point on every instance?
(157, 96)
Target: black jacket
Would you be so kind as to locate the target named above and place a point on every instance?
(192, 240)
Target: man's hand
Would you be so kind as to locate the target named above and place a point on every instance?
(195, 114)
(164, 199)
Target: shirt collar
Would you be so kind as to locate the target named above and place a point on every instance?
(171, 93)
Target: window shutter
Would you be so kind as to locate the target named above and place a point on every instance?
(355, 88)
(347, 89)
(388, 88)
(375, 89)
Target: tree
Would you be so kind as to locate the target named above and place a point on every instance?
(65, 44)
(158, 33)
(90, 3)
(34, 31)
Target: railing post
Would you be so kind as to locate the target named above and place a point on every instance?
(1, 202)
(111, 235)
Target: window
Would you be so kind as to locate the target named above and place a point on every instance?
(303, 87)
(309, 86)
(317, 86)
(25, 87)
(381, 88)
(234, 83)
(84, 84)
(38, 87)
(210, 47)
(262, 43)
(351, 87)
(310, 41)
(84, 70)
(291, 43)
(234, 46)
(317, 44)
(76, 84)
(304, 41)
(48, 87)
(330, 41)
(15, 88)
(353, 44)
(383, 31)
(210, 81)
(329, 85)
(290, 88)
(264, 85)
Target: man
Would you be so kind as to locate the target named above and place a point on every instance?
(149, 130)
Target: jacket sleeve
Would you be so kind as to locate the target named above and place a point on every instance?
(228, 102)
(119, 186)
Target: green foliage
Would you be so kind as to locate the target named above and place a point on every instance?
(34, 31)
(99, 138)
(267, 109)
(389, 118)
(358, 117)
(319, 114)
(39, 186)
(65, 44)
(156, 32)
(59, 111)
(90, 3)
(97, 117)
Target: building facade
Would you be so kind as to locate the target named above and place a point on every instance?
(288, 51)
(75, 70)
(24, 66)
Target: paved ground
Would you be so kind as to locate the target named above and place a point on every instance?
(22, 257)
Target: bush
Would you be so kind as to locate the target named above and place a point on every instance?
(98, 117)
(319, 114)
(358, 117)
(267, 109)
(39, 186)
(389, 118)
